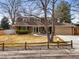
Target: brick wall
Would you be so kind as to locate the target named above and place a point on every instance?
(63, 31)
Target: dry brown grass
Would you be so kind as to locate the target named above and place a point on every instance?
(12, 39)
(22, 38)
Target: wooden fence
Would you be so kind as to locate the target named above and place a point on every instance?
(26, 45)
(76, 31)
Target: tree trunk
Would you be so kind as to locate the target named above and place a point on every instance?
(13, 20)
(46, 23)
(53, 22)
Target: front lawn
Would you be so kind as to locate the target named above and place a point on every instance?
(23, 38)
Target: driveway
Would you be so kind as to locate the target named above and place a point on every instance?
(69, 38)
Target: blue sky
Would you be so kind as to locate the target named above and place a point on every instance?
(75, 15)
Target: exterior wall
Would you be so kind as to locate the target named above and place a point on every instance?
(63, 31)
(59, 30)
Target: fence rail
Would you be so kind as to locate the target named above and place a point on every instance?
(26, 45)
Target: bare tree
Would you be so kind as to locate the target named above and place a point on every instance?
(44, 6)
(53, 19)
(11, 7)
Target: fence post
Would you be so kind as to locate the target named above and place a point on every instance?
(3, 47)
(58, 44)
(25, 45)
(48, 44)
(71, 43)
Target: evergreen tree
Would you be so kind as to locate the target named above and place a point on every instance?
(5, 23)
(63, 12)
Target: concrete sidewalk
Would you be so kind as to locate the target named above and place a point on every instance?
(41, 54)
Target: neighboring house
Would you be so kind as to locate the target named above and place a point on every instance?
(36, 25)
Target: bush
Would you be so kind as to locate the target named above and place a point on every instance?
(23, 31)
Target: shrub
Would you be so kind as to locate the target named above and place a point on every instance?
(23, 31)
